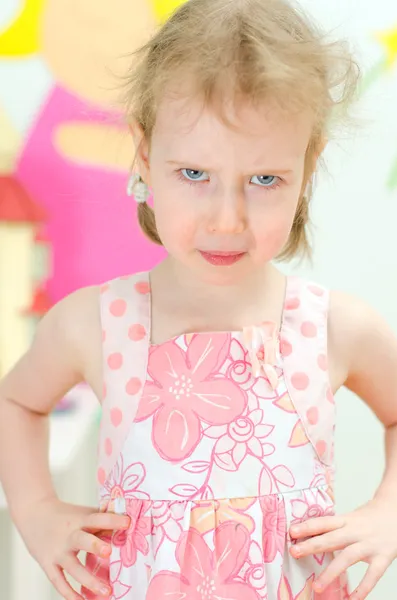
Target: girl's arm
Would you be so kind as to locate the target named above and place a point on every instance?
(363, 357)
(368, 348)
(54, 364)
(67, 349)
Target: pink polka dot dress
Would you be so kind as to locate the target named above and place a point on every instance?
(214, 444)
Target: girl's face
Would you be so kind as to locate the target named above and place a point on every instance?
(225, 197)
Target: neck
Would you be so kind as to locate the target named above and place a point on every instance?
(197, 294)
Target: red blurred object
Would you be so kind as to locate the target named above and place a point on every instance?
(41, 303)
(16, 206)
(41, 236)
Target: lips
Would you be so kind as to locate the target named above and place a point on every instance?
(222, 258)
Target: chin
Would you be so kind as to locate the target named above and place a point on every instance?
(223, 276)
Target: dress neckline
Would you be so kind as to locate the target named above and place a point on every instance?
(237, 332)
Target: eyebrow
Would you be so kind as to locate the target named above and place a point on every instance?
(275, 171)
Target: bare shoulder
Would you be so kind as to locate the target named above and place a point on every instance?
(362, 351)
(75, 323)
(65, 351)
(77, 314)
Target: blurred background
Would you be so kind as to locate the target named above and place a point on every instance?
(66, 221)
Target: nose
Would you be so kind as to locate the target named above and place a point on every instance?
(228, 213)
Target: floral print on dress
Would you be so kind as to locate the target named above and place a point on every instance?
(206, 573)
(124, 483)
(167, 519)
(274, 527)
(186, 390)
(285, 591)
(311, 506)
(221, 457)
(245, 435)
(206, 516)
(134, 539)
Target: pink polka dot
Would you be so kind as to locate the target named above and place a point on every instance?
(322, 362)
(285, 348)
(133, 386)
(321, 448)
(108, 447)
(104, 288)
(142, 287)
(292, 304)
(308, 329)
(115, 361)
(312, 415)
(101, 475)
(330, 396)
(317, 291)
(116, 416)
(300, 381)
(136, 332)
(118, 307)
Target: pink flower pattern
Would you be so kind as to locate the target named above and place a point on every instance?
(167, 519)
(214, 527)
(311, 505)
(133, 540)
(274, 527)
(124, 483)
(207, 574)
(245, 435)
(185, 391)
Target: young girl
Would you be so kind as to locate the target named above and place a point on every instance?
(216, 373)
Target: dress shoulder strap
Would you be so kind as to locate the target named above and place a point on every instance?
(125, 316)
(304, 351)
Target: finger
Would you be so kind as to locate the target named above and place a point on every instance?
(329, 542)
(375, 571)
(348, 557)
(81, 541)
(105, 521)
(316, 526)
(62, 586)
(81, 575)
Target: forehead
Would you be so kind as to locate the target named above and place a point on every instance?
(187, 125)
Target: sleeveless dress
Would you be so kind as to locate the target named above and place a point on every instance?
(214, 444)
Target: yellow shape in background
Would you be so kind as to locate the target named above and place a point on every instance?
(21, 37)
(389, 40)
(163, 8)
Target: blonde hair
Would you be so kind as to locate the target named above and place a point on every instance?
(264, 50)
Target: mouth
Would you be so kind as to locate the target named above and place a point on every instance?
(222, 258)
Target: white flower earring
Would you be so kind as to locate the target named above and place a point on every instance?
(137, 187)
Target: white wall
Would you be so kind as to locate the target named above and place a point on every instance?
(355, 218)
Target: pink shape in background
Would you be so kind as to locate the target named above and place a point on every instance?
(93, 227)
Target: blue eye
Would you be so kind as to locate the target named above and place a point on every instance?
(194, 175)
(264, 180)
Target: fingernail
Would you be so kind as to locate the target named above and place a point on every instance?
(105, 591)
(126, 522)
(297, 551)
(105, 550)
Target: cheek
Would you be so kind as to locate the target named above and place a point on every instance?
(271, 231)
(175, 224)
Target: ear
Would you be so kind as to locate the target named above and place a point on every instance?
(141, 151)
